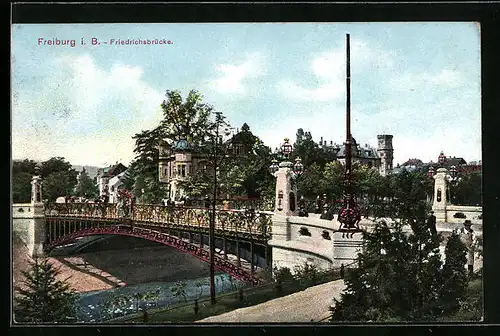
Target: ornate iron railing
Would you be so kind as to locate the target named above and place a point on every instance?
(249, 222)
(239, 272)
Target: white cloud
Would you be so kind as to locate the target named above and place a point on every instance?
(330, 69)
(232, 78)
(84, 113)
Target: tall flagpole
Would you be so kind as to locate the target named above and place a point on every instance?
(349, 214)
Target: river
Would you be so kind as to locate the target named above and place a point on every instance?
(140, 266)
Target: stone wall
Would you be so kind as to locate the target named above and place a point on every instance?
(471, 212)
(297, 240)
(21, 216)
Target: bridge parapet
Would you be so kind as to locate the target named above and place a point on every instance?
(254, 223)
(298, 240)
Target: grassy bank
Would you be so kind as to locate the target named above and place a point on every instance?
(185, 312)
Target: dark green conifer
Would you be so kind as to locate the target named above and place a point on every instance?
(44, 298)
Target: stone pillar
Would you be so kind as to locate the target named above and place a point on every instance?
(346, 249)
(36, 226)
(440, 197)
(286, 191)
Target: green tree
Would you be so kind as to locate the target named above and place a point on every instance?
(453, 274)
(187, 119)
(86, 186)
(467, 190)
(22, 173)
(307, 149)
(380, 288)
(44, 298)
(58, 178)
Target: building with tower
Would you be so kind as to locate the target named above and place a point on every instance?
(176, 163)
(380, 158)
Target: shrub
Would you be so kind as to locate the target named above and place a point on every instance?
(307, 274)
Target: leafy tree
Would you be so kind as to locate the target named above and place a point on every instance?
(22, 173)
(58, 178)
(187, 119)
(44, 298)
(467, 190)
(380, 288)
(311, 182)
(307, 149)
(86, 186)
(453, 274)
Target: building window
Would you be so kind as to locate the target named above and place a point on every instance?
(166, 172)
(181, 170)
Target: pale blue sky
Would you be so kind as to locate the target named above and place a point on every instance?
(417, 81)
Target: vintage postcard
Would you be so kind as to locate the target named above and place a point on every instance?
(307, 172)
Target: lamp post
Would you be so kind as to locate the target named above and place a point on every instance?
(349, 214)
(211, 233)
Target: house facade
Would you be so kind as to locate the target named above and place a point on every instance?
(104, 175)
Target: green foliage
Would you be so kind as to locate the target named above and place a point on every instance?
(453, 274)
(179, 290)
(44, 298)
(308, 274)
(308, 150)
(380, 289)
(467, 190)
(58, 178)
(282, 274)
(22, 172)
(21, 187)
(86, 186)
(187, 119)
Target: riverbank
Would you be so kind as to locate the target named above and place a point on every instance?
(116, 262)
(79, 280)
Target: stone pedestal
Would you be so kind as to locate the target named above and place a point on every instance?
(36, 231)
(345, 250)
(286, 193)
(280, 228)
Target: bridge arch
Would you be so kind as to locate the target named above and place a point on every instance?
(160, 237)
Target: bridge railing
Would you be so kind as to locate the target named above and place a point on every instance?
(249, 222)
(93, 210)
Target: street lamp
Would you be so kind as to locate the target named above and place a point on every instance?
(273, 168)
(298, 167)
